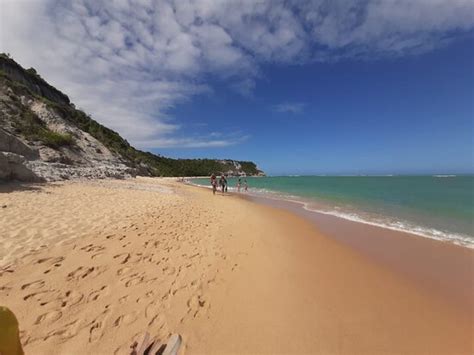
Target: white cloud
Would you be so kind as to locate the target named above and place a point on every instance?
(214, 139)
(389, 27)
(289, 107)
(127, 62)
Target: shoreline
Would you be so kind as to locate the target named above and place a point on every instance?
(445, 268)
(122, 257)
(425, 290)
(454, 239)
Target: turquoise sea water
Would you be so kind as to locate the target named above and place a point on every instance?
(439, 207)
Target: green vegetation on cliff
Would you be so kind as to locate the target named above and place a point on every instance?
(152, 164)
(33, 129)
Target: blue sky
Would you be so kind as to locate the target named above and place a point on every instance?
(405, 115)
(300, 87)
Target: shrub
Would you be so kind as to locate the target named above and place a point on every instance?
(55, 139)
(29, 125)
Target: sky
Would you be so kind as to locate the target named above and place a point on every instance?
(299, 87)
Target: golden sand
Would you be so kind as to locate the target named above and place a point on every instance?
(87, 266)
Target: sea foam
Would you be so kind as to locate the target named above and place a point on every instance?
(355, 215)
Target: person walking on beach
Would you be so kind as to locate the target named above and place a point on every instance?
(223, 184)
(239, 183)
(214, 183)
(246, 186)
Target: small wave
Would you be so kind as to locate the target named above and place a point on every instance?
(397, 225)
(208, 186)
(401, 226)
(444, 176)
(341, 212)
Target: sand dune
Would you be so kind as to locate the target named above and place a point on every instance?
(88, 266)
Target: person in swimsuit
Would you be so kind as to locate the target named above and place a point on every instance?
(239, 183)
(214, 183)
(223, 184)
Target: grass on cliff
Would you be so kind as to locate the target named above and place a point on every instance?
(56, 139)
(32, 128)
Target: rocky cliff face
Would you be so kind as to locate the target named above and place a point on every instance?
(37, 143)
(239, 168)
(30, 79)
(44, 138)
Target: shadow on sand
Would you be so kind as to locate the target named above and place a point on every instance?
(7, 187)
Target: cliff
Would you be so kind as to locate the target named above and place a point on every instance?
(43, 137)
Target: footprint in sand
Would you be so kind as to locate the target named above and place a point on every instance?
(151, 243)
(7, 269)
(95, 295)
(196, 304)
(126, 319)
(154, 313)
(152, 309)
(6, 287)
(158, 321)
(82, 272)
(71, 298)
(123, 299)
(33, 285)
(152, 280)
(148, 258)
(96, 330)
(196, 284)
(96, 255)
(25, 337)
(134, 281)
(65, 332)
(124, 257)
(125, 347)
(55, 265)
(123, 271)
(35, 295)
(92, 248)
(178, 289)
(50, 260)
(48, 317)
(212, 280)
(169, 270)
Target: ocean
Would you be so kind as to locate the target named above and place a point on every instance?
(439, 207)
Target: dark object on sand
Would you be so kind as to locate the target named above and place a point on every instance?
(146, 346)
(9, 333)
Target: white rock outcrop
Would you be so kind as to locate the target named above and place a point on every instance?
(86, 158)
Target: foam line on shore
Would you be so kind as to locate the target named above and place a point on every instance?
(396, 225)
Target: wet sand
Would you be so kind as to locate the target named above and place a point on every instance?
(447, 270)
(88, 266)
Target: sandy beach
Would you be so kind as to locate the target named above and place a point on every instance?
(88, 266)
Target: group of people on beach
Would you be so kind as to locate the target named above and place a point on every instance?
(223, 184)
